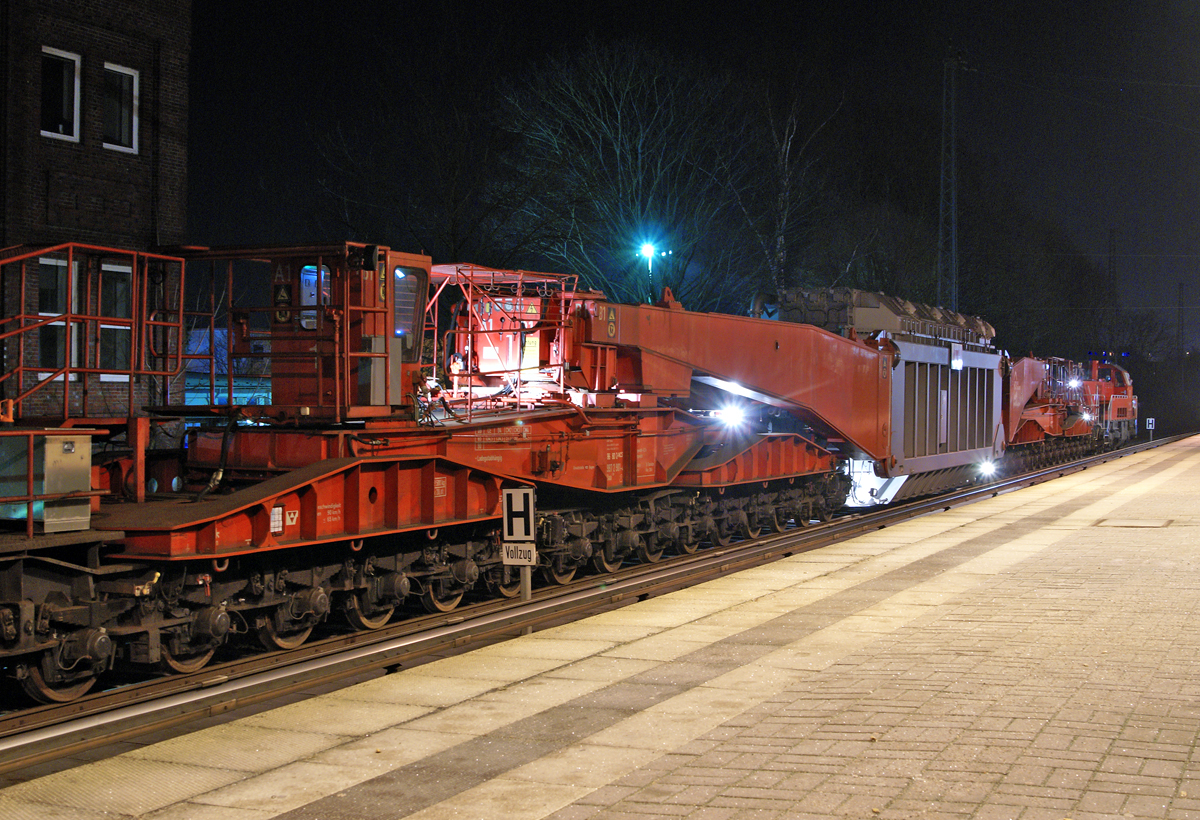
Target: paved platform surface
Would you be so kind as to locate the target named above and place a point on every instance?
(1036, 655)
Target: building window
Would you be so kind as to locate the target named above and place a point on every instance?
(120, 108)
(60, 94)
(116, 302)
(57, 346)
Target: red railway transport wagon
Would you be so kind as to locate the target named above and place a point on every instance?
(944, 395)
(245, 443)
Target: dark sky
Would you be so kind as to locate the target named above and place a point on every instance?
(1093, 109)
(1090, 110)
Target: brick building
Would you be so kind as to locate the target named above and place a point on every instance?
(94, 137)
(93, 149)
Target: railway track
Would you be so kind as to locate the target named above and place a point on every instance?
(47, 733)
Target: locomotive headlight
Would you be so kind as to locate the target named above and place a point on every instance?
(1074, 383)
(730, 416)
(987, 469)
(1087, 416)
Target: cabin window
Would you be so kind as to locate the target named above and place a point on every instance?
(407, 288)
(314, 290)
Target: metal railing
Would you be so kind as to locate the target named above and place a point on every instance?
(114, 313)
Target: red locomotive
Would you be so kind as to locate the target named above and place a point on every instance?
(1108, 389)
(1055, 410)
(359, 425)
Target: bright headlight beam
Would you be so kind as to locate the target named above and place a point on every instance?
(730, 416)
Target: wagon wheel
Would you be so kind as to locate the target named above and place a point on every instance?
(437, 597)
(720, 534)
(509, 590)
(558, 572)
(602, 563)
(778, 520)
(186, 663)
(509, 583)
(357, 614)
(649, 550)
(273, 638)
(749, 530)
(36, 686)
(687, 543)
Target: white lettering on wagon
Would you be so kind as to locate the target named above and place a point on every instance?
(331, 512)
(614, 458)
(500, 437)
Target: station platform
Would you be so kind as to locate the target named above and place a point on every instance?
(1031, 656)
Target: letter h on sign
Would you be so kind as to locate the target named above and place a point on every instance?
(518, 514)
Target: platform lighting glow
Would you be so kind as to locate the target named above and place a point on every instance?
(987, 469)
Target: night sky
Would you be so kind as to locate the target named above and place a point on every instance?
(1091, 111)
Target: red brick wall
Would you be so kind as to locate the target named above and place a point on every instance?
(104, 400)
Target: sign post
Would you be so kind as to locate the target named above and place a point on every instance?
(1150, 427)
(519, 545)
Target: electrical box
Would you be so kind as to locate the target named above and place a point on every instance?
(61, 464)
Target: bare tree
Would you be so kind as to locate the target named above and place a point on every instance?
(1135, 333)
(775, 186)
(631, 146)
(422, 165)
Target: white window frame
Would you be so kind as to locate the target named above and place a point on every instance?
(133, 148)
(72, 348)
(107, 268)
(314, 290)
(78, 61)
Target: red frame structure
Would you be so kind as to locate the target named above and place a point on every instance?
(156, 325)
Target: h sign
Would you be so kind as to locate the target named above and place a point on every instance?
(518, 514)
